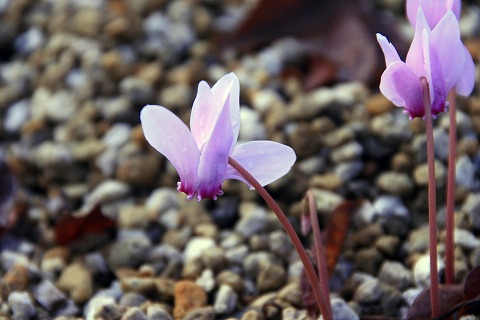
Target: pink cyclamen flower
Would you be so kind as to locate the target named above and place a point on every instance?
(201, 155)
(438, 55)
(434, 11)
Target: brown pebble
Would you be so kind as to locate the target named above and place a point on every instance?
(16, 279)
(77, 280)
(140, 170)
(252, 315)
(230, 278)
(272, 277)
(378, 104)
(327, 181)
(165, 288)
(188, 296)
(401, 162)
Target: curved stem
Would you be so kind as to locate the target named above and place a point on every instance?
(432, 211)
(309, 270)
(320, 252)
(449, 220)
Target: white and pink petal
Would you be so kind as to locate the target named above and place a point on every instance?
(266, 161)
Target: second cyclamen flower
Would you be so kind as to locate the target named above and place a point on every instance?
(201, 155)
(437, 54)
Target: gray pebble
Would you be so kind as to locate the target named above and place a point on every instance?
(49, 296)
(252, 126)
(465, 173)
(368, 292)
(253, 219)
(156, 312)
(161, 200)
(134, 313)
(29, 41)
(465, 239)
(349, 170)
(117, 135)
(21, 305)
(347, 152)
(341, 310)
(441, 142)
(395, 274)
(280, 243)
(129, 252)
(131, 299)
(390, 206)
(411, 294)
(225, 300)
(16, 115)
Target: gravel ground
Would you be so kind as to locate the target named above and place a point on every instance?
(73, 78)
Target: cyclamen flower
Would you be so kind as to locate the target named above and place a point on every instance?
(201, 155)
(438, 55)
(434, 11)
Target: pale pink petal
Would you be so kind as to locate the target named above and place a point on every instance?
(434, 10)
(445, 41)
(415, 56)
(266, 161)
(214, 157)
(466, 82)
(171, 137)
(204, 115)
(389, 51)
(411, 10)
(402, 86)
(229, 87)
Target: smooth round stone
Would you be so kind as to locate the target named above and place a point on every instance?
(421, 270)
(341, 310)
(129, 252)
(188, 297)
(395, 183)
(251, 124)
(420, 174)
(21, 305)
(131, 299)
(197, 246)
(465, 173)
(225, 300)
(368, 292)
(271, 277)
(347, 152)
(395, 274)
(77, 280)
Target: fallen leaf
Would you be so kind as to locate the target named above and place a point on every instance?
(71, 228)
(450, 295)
(337, 37)
(336, 231)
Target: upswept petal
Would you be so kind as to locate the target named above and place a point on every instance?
(266, 161)
(389, 51)
(205, 112)
(402, 86)
(434, 10)
(466, 82)
(214, 157)
(171, 137)
(415, 56)
(229, 85)
(411, 8)
(446, 43)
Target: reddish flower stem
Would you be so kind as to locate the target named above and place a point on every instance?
(309, 270)
(320, 253)
(432, 212)
(449, 219)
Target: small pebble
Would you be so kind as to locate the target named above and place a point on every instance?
(188, 297)
(226, 300)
